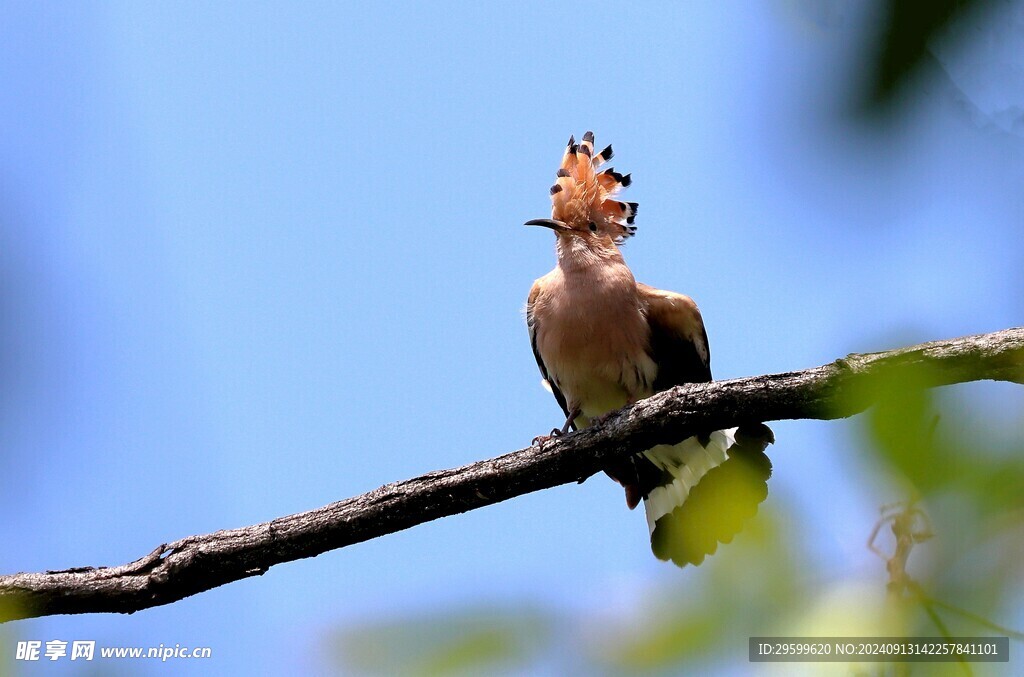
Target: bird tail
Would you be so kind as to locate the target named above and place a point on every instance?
(708, 487)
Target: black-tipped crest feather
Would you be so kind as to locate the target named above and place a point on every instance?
(582, 196)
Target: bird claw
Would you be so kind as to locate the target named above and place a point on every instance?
(540, 440)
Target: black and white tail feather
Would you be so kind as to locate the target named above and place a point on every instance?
(708, 487)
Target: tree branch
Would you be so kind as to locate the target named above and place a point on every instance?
(194, 564)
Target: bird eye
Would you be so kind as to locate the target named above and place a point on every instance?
(593, 227)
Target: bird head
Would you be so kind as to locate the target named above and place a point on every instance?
(582, 199)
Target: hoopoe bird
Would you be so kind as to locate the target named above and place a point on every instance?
(602, 341)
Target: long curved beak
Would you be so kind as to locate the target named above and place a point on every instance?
(548, 223)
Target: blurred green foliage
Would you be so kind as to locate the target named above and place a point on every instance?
(753, 584)
(897, 55)
(8, 641)
(705, 615)
(939, 449)
(458, 642)
(970, 487)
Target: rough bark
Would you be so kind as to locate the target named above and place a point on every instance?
(194, 564)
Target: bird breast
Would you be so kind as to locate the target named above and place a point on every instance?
(593, 336)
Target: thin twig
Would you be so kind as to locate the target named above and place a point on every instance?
(944, 631)
(980, 620)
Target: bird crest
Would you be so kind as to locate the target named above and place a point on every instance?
(583, 198)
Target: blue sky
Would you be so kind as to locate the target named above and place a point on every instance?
(260, 257)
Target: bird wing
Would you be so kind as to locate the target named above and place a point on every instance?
(678, 345)
(531, 325)
(678, 342)
(699, 492)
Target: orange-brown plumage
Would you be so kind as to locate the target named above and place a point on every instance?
(582, 196)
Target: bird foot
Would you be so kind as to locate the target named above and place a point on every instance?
(540, 440)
